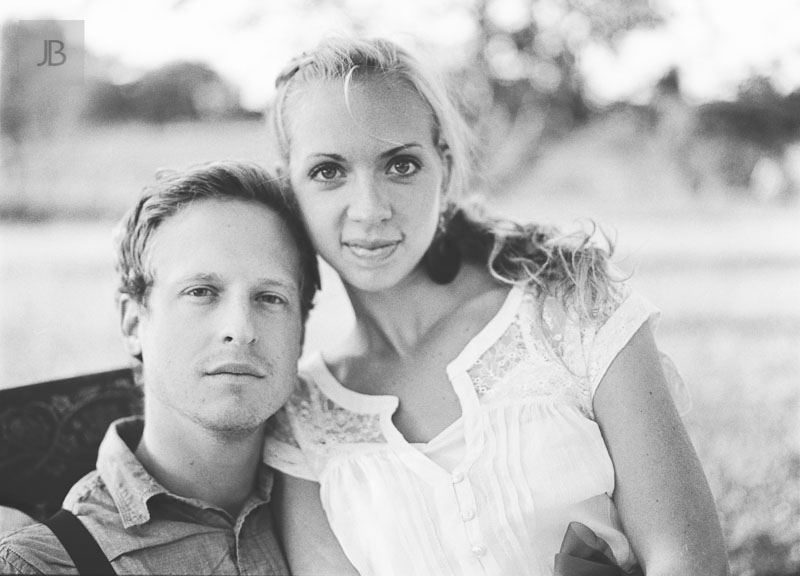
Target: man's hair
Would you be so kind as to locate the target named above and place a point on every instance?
(174, 190)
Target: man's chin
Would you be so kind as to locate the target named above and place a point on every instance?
(234, 429)
(233, 421)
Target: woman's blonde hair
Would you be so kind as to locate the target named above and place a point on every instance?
(569, 267)
(354, 61)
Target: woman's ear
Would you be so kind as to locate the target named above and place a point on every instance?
(130, 315)
(447, 163)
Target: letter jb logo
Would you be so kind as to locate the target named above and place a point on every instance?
(54, 54)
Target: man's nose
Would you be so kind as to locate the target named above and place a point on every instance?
(369, 202)
(238, 320)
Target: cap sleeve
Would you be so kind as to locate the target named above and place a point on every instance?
(604, 338)
(589, 344)
(281, 449)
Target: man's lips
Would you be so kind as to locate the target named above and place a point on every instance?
(236, 369)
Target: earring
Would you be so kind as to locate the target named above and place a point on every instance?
(443, 258)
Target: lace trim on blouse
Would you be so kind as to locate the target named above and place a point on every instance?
(326, 422)
(540, 352)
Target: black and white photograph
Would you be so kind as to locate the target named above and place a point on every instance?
(380, 288)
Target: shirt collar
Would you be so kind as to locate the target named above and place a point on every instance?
(131, 486)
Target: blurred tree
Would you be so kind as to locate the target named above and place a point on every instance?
(180, 90)
(106, 102)
(528, 56)
(175, 91)
(742, 146)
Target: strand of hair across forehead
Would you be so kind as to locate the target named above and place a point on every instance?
(348, 79)
(343, 59)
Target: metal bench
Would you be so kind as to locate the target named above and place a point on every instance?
(50, 433)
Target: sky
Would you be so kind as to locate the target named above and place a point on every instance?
(715, 43)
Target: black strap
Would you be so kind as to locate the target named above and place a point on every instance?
(79, 544)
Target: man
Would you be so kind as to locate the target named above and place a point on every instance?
(217, 278)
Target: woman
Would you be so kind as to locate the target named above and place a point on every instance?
(500, 395)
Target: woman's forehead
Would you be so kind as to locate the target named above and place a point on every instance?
(381, 107)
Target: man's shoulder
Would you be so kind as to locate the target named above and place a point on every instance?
(33, 549)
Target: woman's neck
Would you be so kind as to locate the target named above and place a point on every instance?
(397, 319)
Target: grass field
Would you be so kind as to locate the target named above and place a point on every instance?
(726, 278)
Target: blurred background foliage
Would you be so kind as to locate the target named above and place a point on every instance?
(520, 86)
(702, 193)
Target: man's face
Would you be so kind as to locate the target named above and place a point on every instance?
(221, 327)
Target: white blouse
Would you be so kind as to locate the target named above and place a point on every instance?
(495, 491)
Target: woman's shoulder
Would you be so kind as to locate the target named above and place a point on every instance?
(478, 290)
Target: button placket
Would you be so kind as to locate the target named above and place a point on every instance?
(462, 488)
(479, 551)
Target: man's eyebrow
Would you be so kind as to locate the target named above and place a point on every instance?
(212, 278)
(199, 277)
(278, 283)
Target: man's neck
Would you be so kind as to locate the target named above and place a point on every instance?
(194, 462)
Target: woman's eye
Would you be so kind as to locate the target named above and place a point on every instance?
(200, 292)
(404, 167)
(326, 172)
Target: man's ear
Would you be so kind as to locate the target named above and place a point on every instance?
(130, 315)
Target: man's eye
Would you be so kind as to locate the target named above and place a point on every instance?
(325, 172)
(273, 299)
(404, 167)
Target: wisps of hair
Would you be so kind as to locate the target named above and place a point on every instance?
(574, 268)
(354, 60)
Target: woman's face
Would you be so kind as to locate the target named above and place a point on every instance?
(369, 179)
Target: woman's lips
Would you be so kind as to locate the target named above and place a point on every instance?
(372, 250)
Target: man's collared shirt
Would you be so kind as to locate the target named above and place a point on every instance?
(143, 528)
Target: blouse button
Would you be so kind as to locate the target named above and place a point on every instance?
(458, 477)
(478, 551)
(468, 515)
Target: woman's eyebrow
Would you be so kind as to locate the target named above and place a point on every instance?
(401, 148)
(327, 156)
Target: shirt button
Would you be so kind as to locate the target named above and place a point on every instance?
(478, 551)
(468, 515)
(458, 477)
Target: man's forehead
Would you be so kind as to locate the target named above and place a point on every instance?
(219, 236)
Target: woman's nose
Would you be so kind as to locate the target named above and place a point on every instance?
(369, 203)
